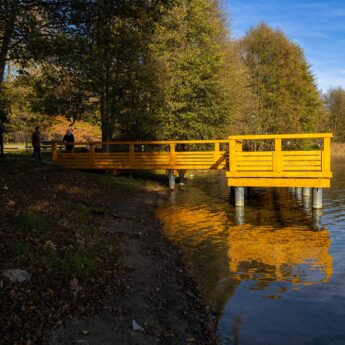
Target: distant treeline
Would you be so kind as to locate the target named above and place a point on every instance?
(155, 69)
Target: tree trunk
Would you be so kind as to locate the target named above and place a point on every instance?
(5, 45)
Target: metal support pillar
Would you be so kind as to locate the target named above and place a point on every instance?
(239, 196)
(317, 198)
(239, 215)
(317, 219)
(171, 179)
(306, 191)
(306, 203)
(299, 196)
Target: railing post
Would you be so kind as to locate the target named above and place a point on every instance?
(91, 154)
(172, 155)
(326, 155)
(131, 155)
(277, 157)
(232, 155)
(54, 152)
(216, 155)
(239, 145)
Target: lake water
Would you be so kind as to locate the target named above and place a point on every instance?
(275, 273)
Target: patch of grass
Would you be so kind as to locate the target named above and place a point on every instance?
(32, 222)
(127, 183)
(19, 249)
(79, 218)
(20, 253)
(78, 264)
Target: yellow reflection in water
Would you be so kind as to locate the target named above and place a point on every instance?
(296, 254)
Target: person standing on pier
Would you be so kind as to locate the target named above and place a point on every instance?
(68, 140)
(36, 144)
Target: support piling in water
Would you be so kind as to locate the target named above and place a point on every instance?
(239, 215)
(306, 203)
(239, 196)
(299, 196)
(171, 179)
(306, 192)
(317, 219)
(317, 198)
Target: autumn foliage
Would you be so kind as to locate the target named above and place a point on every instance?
(82, 131)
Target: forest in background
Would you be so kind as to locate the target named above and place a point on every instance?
(154, 69)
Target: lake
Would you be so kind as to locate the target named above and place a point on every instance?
(273, 271)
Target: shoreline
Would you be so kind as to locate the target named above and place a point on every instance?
(156, 299)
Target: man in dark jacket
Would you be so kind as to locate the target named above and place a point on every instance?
(68, 140)
(2, 131)
(36, 144)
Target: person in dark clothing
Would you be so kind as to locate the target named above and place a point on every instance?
(2, 131)
(36, 144)
(68, 139)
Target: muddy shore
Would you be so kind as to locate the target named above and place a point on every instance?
(146, 294)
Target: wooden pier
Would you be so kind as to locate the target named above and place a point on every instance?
(282, 160)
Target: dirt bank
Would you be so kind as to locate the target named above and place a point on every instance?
(101, 270)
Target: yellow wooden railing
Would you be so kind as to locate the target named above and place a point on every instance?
(279, 167)
(143, 155)
(274, 165)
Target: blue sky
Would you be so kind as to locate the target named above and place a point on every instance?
(317, 26)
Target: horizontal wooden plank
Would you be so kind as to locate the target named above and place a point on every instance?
(191, 158)
(302, 168)
(254, 163)
(253, 153)
(279, 182)
(301, 153)
(302, 159)
(254, 158)
(145, 142)
(191, 153)
(111, 154)
(151, 154)
(263, 168)
(281, 136)
(309, 174)
(111, 162)
(300, 163)
(194, 161)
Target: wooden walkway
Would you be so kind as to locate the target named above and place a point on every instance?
(249, 160)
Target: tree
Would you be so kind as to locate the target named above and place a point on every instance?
(105, 47)
(26, 27)
(335, 105)
(201, 77)
(280, 78)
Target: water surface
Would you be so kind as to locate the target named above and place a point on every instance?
(275, 271)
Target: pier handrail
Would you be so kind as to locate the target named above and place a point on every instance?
(281, 136)
(129, 158)
(279, 162)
